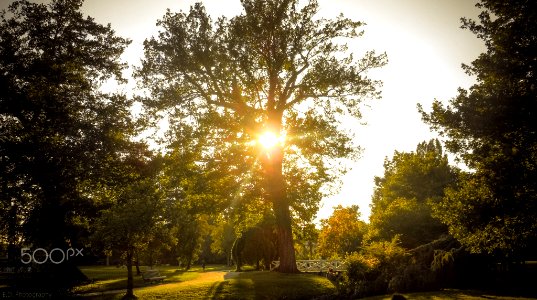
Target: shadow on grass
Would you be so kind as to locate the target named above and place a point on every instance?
(452, 295)
(271, 285)
(226, 285)
(216, 289)
(113, 278)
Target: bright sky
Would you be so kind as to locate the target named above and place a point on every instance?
(425, 48)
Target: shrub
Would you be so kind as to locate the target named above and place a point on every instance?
(371, 271)
(383, 267)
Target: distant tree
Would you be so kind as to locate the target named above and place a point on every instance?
(194, 192)
(211, 253)
(132, 222)
(274, 67)
(403, 198)
(191, 232)
(58, 131)
(491, 128)
(306, 238)
(223, 236)
(341, 233)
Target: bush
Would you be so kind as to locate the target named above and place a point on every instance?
(383, 267)
(371, 271)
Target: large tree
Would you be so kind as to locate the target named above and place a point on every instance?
(403, 198)
(491, 127)
(275, 67)
(58, 131)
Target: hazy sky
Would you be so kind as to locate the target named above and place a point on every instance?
(425, 48)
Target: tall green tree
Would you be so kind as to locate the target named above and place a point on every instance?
(403, 198)
(58, 131)
(275, 67)
(132, 222)
(491, 127)
(132, 219)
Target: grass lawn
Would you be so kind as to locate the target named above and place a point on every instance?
(214, 283)
(270, 285)
(106, 278)
(218, 282)
(450, 295)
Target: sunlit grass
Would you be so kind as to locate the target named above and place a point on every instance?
(450, 295)
(106, 278)
(199, 288)
(217, 284)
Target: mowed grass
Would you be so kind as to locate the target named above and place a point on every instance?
(271, 285)
(451, 295)
(107, 278)
(217, 284)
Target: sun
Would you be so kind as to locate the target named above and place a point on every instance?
(269, 140)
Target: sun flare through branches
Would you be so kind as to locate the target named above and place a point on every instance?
(268, 140)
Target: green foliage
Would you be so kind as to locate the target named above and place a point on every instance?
(133, 218)
(341, 233)
(191, 231)
(195, 194)
(383, 267)
(224, 236)
(261, 244)
(403, 197)
(306, 237)
(491, 128)
(370, 271)
(58, 132)
(275, 66)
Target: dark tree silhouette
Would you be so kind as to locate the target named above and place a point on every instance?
(58, 132)
(491, 127)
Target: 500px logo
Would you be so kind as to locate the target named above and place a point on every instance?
(41, 256)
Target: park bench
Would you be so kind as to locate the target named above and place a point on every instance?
(152, 275)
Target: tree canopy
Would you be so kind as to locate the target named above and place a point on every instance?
(403, 198)
(491, 128)
(58, 131)
(275, 67)
(342, 233)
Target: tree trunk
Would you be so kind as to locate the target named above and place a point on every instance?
(150, 259)
(12, 234)
(286, 249)
(236, 252)
(188, 263)
(130, 281)
(138, 273)
(277, 195)
(228, 258)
